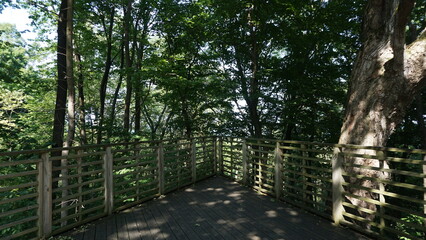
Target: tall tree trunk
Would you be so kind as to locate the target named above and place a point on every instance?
(129, 73)
(384, 81)
(70, 75)
(116, 92)
(81, 101)
(61, 90)
(105, 77)
(254, 91)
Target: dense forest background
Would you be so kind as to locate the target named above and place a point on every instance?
(145, 69)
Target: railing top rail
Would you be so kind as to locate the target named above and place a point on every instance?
(348, 146)
(103, 145)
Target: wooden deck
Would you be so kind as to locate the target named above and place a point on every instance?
(214, 209)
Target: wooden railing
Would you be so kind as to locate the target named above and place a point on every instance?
(46, 192)
(312, 176)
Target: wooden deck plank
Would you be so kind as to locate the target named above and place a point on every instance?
(198, 219)
(221, 215)
(122, 231)
(111, 230)
(144, 230)
(101, 229)
(216, 209)
(189, 222)
(174, 226)
(162, 223)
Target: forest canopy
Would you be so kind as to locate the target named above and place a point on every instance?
(145, 69)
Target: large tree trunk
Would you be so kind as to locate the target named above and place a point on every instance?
(61, 90)
(70, 75)
(385, 79)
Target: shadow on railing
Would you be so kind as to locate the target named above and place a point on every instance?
(322, 178)
(46, 192)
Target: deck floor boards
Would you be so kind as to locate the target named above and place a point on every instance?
(215, 208)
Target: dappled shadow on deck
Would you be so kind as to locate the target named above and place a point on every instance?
(213, 209)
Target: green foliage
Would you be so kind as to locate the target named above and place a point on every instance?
(410, 230)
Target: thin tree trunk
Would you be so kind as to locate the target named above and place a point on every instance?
(81, 101)
(116, 92)
(105, 77)
(129, 73)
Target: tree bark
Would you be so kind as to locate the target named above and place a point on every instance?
(61, 90)
(105, 77)
(385, 79)
(70, 75)
(81, 101)
(128, 98)
(116, 92)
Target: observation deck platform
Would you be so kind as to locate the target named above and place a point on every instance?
(215, 208)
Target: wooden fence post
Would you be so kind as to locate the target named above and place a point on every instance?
(381, 156)
(245, 164)
(194, 160)
(109, 187)
(305, 179)
(278, 171)
(45, 199)
(80, 182)
(221, 155)
(160, 159)
(337, 185)
(215, 155)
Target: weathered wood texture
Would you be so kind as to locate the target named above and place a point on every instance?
(213, 209)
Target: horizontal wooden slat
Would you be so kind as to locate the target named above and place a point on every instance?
(21, 221)
(19, 174)
(77, 205)
(20, 198)
(301, 199)
(23, 233)
(306, 149)
(19, 186)
(74, 156)
(325, 170)
(315, 159)
(71, 226)
(135, 187)
(396, 184)
(392, 171)
(85, 183)
(82, 165)
(18, 210)
(303, 206)
(77, 175)
(386, 193)
(19, 162)
(307, 175)
(387, 205)
(84, 211)
(361, 219)
(154, 192)
(76, 195)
